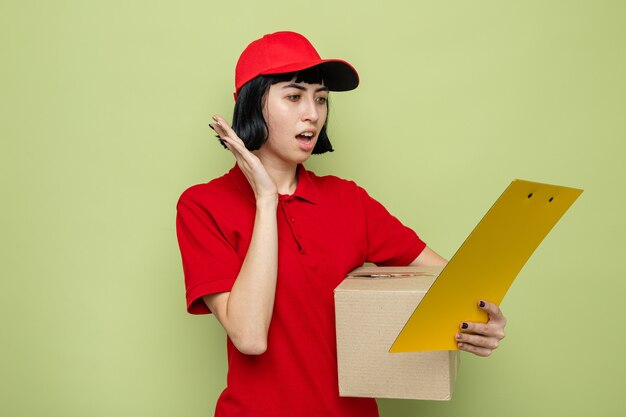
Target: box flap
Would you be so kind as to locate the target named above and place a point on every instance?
(395, 271)
(410, 278)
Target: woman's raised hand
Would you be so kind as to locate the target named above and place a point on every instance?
(260, 181)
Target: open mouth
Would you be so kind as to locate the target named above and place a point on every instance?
(305, 137)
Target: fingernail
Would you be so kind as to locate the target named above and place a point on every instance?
(464, 325)
(481, 304)
(458, 336)
(211, 126)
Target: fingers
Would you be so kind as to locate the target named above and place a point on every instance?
(232, 142)
(227, 134)
(482, 338)
(219, 137)
(476, 350)
(478, 340)
(222, 127)
(494, 312)
(484, 329)
(477, 343)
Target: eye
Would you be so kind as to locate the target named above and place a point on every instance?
(322, 100)
(293, 97)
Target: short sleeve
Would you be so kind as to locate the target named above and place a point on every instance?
(210, 263)
(389, 242)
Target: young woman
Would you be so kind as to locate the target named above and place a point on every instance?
(264, 246)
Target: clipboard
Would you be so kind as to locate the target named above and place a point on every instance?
(486, 264)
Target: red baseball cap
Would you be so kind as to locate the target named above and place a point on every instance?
(283, 52)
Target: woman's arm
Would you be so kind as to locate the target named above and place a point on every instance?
(429, 257)
(246, 311)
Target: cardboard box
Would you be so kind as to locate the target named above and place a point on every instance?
(372, 305)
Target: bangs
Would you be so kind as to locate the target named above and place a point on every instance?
(313, 75)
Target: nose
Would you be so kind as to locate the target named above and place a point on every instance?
(310, 112)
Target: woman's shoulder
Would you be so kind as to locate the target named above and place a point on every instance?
(214, 190)
(336, 188)
(332, 181)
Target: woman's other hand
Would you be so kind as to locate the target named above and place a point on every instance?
(479, 338)
(260, 181)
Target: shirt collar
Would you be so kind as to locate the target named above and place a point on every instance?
(305, 190)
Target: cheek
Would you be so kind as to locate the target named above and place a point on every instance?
(323, 113)
(271, 120)
(273, 123)
(281, 119)
(277, 126)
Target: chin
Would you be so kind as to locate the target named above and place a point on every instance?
(302, 160)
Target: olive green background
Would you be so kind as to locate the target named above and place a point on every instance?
(104, 107)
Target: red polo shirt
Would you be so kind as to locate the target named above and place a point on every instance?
(328, 227)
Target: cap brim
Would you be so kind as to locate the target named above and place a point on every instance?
(338, 75)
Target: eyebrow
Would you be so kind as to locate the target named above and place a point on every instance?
(302, 88)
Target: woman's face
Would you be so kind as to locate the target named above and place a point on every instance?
(295, 114)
